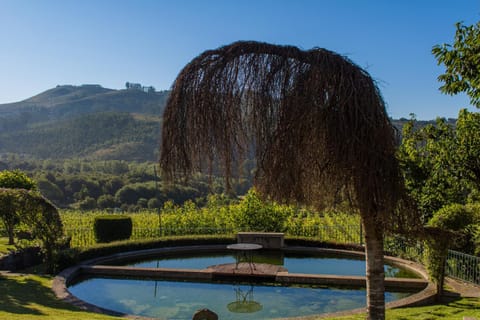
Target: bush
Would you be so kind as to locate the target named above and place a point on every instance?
(109, 228)
(253, 214)
(450, 227)
(461, 219)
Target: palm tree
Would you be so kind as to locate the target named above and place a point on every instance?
(315, 121)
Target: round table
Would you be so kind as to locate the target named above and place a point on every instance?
(244, 252)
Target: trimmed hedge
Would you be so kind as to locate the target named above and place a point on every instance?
(73, 256)
(110, 228)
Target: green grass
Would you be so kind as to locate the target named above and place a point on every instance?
(453, 310)
(4, 246)
(30, 297)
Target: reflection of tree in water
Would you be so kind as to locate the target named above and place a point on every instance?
(244, 302)
(394, 272)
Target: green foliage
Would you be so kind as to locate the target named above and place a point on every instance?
(108, 135)
(452, 217)
(50, 190)
(462, 63)
(9, 213)
(220, 215)
(72, 183)
(44, 223)
(476, 239)
(16, 179)
(255, 215)
(12, 179)
(106, 201)
(441, 163)
(84, 121)
(37, 216)
(453, 230)
(110, 228)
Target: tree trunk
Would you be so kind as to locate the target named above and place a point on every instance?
(11, 237)
(11, 232)
(375, 268)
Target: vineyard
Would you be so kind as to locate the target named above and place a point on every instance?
(218, 217)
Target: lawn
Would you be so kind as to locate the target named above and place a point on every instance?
(4, 246)
(30, 297)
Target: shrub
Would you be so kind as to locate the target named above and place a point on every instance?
(109, 228)
(450, 228)
(253, 214)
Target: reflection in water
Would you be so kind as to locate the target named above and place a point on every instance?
(294, 263)
(170, 300)
(244, 302)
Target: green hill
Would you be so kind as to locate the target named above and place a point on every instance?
(86, 121)
(89, 122)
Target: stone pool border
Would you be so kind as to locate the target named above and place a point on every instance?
(64, 278)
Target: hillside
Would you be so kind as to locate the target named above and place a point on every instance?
(89, 122)
(86, 121)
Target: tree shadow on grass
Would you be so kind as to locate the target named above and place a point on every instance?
(27, 295)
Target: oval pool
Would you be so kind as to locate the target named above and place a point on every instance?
(309, 263)
(178, 300)
(175, 300)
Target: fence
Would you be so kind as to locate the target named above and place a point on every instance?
(84, 237)
(463, 266)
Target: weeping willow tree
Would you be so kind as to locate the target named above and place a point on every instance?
(315, 122)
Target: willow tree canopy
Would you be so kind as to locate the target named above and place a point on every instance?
(314, 120)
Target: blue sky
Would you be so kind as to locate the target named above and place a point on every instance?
(44, 43)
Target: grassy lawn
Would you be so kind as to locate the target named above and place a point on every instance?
(30, 297)
(454, 310)
(4, 246)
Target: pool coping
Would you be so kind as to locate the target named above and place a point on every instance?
(63, 279)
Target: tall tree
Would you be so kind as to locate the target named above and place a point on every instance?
(462, 63)
(316, 123)
(441, 162)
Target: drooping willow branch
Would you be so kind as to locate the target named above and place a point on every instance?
(315, 122)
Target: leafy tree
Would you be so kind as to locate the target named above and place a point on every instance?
(451, 229)
(106, 201)
(50, 190)
(468, 146)
(14, 179)
(426, 158)
(462, 62)
(8, 213)
(319, 127)
(441, 162)
(44, 223)
(88, 203)
(38, 215)
(154, 203)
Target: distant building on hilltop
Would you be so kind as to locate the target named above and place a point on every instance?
(138, 86)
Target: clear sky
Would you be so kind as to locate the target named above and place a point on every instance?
(44, 43)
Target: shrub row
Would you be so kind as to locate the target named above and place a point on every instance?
(72, 256)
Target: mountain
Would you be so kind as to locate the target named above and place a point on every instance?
(68, 101)
(86, 121)
(90, 122)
